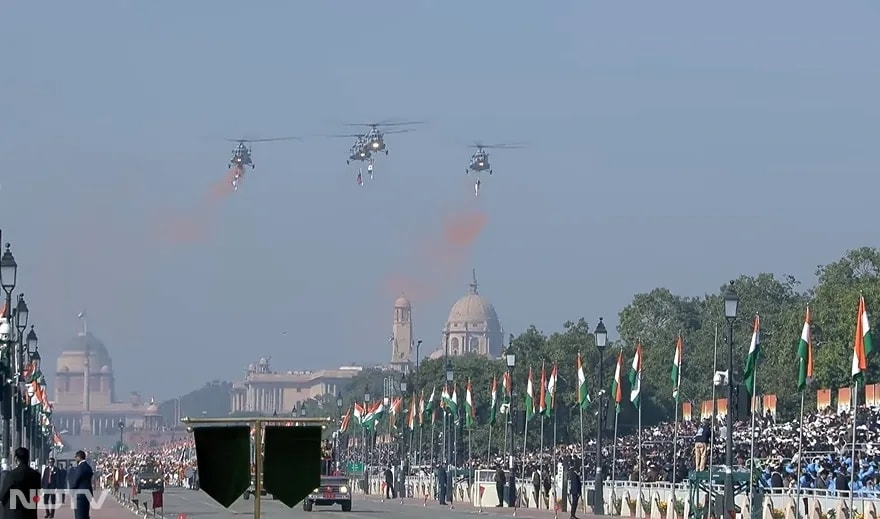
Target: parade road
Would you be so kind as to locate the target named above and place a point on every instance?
(197, 505)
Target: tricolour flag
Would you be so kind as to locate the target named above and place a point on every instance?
(550, 403)
(507, 390)
(862, 345)
(635, 376)
(429, 404)
(470, 412)
(395, 410)
(676, 370)
(805, 355)
(450, 400)
(752, 357)
(493, 396)
(359, 413)
(412, 415)
(530, 398)
(583, 396)
(616, 391)
(343, 426)
(422, 408)
(542, 394)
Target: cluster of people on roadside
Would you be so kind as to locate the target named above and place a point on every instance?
(26, 491)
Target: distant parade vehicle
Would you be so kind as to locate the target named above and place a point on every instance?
(149, 479)
(334, 488)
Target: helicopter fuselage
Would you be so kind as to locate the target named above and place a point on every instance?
(241, 161)
(376, 145)
(360, 154)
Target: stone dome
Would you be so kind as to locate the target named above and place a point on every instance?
(73, 354)
(472, 309)
(402, 302)
(473, 326)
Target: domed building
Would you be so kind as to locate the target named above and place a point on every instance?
(473, 326)
(85, 402)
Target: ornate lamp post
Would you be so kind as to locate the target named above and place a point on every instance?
(401, 478)
(731, 304)
(20, 408)
(339, 403)
(599, 497)
(8, 276)
(121, 426)
(510, 357)
(366, 452)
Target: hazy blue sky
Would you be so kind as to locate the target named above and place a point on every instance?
(672, 144)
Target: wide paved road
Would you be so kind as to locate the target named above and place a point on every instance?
(197, 505)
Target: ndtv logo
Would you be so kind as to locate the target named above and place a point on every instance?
(36, 499)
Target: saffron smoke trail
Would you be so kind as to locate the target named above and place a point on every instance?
(195, 225)
(442, 256)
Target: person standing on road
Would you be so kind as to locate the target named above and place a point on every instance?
(574, 486)
(500, 480)
(51, 483)
(440, 476)
(26, 482)
(81, 484)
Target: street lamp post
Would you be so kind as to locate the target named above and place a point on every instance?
(35, 434)
(339, 403)
(511, 480)
(447, 416)
(598, 496)
(19, 407)
(404, 386)
(365, 453)
(121, 426)
(8, 275)
(731, 303)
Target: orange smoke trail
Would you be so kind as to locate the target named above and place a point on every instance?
(441, 258)
(194, 225)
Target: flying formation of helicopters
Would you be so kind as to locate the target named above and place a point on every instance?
(366, 147)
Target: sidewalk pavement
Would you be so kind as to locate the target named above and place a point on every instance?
(110, 510)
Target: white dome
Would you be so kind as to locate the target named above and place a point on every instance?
(473, 313)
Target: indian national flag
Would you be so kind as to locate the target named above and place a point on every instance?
(550, 403)
(505, 400)
(493, 395)
(583, 396)
(359, 413)
(530, 398)
(676, 370)
(542, 395)
(752, 358)
(635, 376)
(862, 345)
(412, 415)
(343, 426)
(422, 408)
(616, 391)
(805, 355)
(470, 413)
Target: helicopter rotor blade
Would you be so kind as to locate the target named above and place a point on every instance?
(388, 132)
(387, 122)
(276, 139)
(344, 135)
(510, 146)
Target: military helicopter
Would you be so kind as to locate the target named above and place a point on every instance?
(480, 160)
(374, 139)
(241, 156)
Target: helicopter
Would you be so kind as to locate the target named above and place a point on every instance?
(241, 156)
(374, 139)
(480, 160)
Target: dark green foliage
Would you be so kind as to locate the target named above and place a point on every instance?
(211, 400)
(224, 458)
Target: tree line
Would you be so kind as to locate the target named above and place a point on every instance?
(657, 318)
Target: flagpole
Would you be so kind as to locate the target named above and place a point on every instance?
(800, 454)
(713, 424)
(641, 476)
(489, 448)
(675, 446)
(583, 456)
(525, 442)
(433, 436)
(754, 397)
(852, 467)
(553, 460)
(614, 448)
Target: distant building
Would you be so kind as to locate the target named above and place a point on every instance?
(85, 403)
(402, 335)
(265, 391)
(472, 327)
